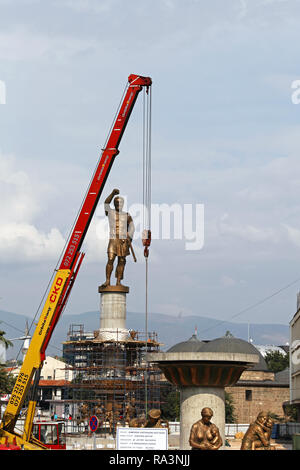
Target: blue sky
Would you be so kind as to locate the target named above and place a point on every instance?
(225, 134)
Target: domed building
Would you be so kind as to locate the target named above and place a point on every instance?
(201, 370)
(221, 348)
(257, 387)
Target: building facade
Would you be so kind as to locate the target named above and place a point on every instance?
(260, 389)
(295, 360)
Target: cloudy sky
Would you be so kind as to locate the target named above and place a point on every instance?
(225, 134)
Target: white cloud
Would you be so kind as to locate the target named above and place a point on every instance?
(247, 232)
(225, 144)
(293, 234)
(242, 9)
(16, 193)
(20, 242)
(20, 239)
(95, 244)
(23, 236)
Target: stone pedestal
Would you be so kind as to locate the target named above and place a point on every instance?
(113, 313)
(201, 377)
(192, 401)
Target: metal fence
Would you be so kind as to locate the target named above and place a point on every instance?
(174, 427)
(280, 430)
(287, 430)
(232, 429)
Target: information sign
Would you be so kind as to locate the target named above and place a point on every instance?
(142, 439)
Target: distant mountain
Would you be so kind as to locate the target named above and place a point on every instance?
(170, 330)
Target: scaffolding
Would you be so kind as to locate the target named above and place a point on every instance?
(110, 379)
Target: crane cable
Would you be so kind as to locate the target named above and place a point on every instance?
(146, 236)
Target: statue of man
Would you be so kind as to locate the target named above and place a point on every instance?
(155, 420)
(204, 434)
(256, 436)
(121, 231)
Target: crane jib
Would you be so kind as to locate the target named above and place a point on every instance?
(136, 83)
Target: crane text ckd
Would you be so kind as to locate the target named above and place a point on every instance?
(167, 222)
(2, 92)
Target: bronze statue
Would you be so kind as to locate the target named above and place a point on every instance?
(138, 422)
(130, 411)
(83, 413)
(258, 435)
(204, 434)
(154, 420)
(267, 428)
(121, 231)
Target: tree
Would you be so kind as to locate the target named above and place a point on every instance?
(171, 406)
(276, 361)
(229, 409)
(5, 342)
(228, 334)
(7, 381)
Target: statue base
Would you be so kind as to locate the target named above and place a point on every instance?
(113, 313)
(110, 288)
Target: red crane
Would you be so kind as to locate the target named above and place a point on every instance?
(72, 257)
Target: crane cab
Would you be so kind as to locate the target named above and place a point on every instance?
(50, 433)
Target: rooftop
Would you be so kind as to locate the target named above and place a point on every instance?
(225, 344)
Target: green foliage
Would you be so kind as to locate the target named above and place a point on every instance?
(6, 343)
(274, 416)
(228, 334)
(171, 407)
(229, 409)
(291, 412)
(276, 361)
(7, 381)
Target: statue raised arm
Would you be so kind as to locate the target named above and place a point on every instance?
(121, 231)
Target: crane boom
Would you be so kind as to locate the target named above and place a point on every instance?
(65, 275)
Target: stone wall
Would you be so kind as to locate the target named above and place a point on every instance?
(257, 375)
(249, 400)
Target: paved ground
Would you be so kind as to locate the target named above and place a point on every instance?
(235, 444)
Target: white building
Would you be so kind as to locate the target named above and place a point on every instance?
(2, 354)
(53, 369)
(295, 359)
